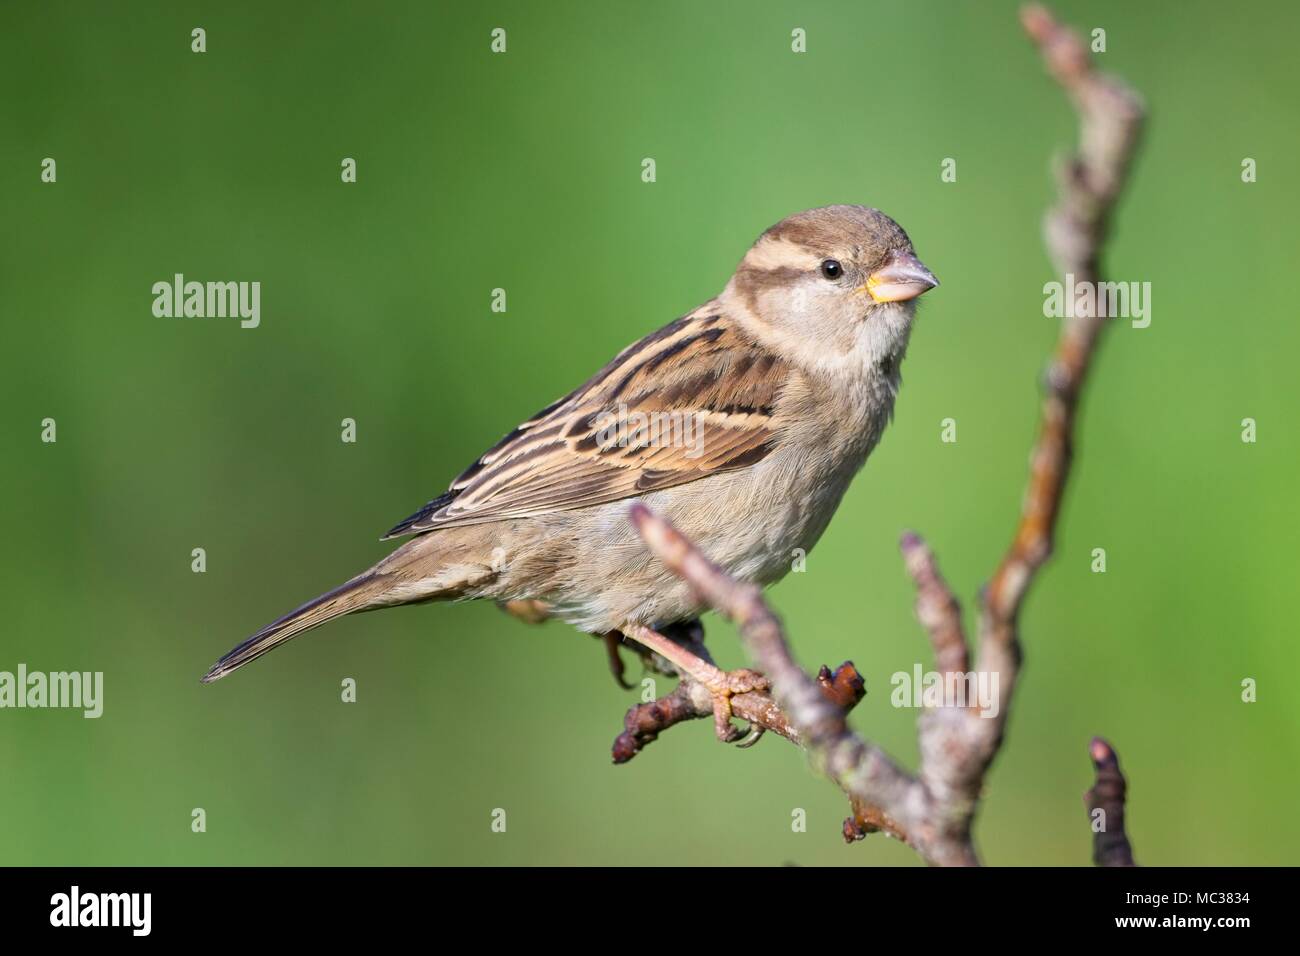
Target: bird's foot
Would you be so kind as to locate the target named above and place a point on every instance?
(721, 685)
(726, 685)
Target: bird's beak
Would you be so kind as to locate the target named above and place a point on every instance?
(902, 277)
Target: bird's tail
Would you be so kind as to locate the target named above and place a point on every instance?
(358, 594)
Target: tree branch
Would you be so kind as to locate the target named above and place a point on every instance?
(1110, 846)
(688, 701)
(933, 810)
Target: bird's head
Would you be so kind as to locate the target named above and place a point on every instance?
(833, 284)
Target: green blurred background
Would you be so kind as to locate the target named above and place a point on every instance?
(522, 171)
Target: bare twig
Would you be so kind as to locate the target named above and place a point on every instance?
(1110, 846)
(934, 809)
(645, 722)
(1074, 229)
(874, 783)
(936, 606)
(688, 701)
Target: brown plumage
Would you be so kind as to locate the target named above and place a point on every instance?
(742, 422)
(557, 460)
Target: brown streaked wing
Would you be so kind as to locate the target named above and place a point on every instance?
(710, 392)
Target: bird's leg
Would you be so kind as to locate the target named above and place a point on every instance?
(612, 641)
(689, 634)
(721, 685)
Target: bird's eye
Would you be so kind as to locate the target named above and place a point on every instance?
(832, 269)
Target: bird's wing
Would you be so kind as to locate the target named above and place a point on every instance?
(693, 399)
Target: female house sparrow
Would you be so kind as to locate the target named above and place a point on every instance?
(771, 395)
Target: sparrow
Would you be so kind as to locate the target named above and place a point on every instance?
(742, 422)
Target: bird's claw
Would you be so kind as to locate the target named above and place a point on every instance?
(612, 641)
(729, 684)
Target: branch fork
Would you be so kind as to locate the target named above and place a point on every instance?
(933, 809)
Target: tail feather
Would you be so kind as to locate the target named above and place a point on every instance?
(354, 595)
